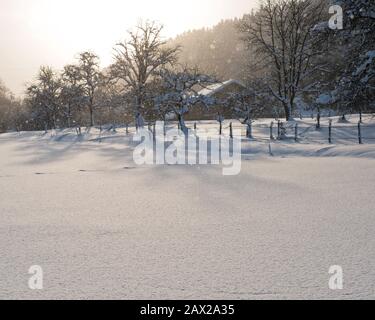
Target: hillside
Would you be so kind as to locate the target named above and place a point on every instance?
(218, 50)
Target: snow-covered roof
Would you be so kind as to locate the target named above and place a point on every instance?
(325, 99)
(321, 26)
(217, 87)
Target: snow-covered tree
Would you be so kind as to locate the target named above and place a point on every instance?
(247, 107)
(138, 59)
(180, 92)
(355, 89)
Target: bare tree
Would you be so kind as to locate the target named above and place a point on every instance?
(137, 60)
(5, 105)
(91, 79)
(114, 105)
(72, 93)
(44, 97)
(280, 33)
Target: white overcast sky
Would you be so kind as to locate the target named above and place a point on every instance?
(51, 32)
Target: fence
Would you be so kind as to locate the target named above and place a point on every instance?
(323, 131)
(327, 131)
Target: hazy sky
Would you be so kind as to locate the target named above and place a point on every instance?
(51, 32)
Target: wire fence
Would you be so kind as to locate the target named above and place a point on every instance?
(327, 130)
(298, 132)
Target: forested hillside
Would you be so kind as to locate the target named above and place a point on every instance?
(218, 50)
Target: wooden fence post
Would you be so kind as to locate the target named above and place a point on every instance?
(318, 121)
(271, 131)
(127, 129)
(330, 132)
(296, 133)
(249, 130)
(100, 134)
(283, 132)
(359, 133)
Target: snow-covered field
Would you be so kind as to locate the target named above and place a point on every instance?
(103, 228)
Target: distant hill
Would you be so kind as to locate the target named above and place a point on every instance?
(217, 50)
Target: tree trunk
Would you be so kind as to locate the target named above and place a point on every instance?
(318, 121)
(343, 119)
(182, 124)
(249, 130)
(288, 112)
(139, 121)
(91, 117)
(54, 121)
(69, 116)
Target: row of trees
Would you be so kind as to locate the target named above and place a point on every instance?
(288, 49)
(144, 82)
(58, 100)
(302, 58)
(293, 59)
(355, 84)
(13, 114)
(288, 53)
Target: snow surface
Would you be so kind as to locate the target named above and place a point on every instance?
(217, 87)
(102, 228)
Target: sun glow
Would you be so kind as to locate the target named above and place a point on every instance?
(53, 31)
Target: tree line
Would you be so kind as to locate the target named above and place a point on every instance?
(285, 52)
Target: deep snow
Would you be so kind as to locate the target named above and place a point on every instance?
(103, 228)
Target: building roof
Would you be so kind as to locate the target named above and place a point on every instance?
(217, 87)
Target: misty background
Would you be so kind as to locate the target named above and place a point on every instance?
(43, 32)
